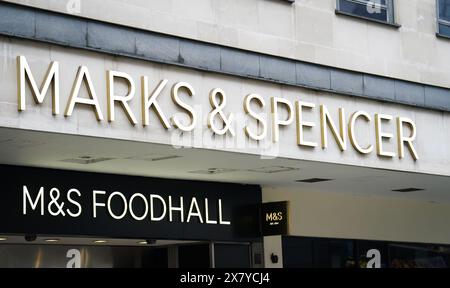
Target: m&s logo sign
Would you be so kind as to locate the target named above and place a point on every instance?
(274, 218)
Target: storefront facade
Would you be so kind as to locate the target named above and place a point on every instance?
(205, 220)
(112, 129)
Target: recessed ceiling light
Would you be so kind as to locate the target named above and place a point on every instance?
(405, 190)
(313, 180)
(273, 169)
(51, 240)
(3, 238)
(100, 241)
(147, 242)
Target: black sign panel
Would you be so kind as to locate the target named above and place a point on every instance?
(69, 203)
(275, 218)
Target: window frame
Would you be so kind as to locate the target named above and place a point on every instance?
(440, 21)
(389, 7)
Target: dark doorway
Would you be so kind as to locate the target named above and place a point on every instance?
(194, 256)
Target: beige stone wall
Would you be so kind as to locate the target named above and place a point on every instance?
(337, 215)
(308, 30)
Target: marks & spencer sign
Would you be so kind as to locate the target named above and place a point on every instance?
(254, 108)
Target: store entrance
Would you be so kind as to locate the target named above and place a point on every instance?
(65, 252)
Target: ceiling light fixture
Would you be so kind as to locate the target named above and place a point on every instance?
(51, 240)
(3, 238)
(314, 180)
(100, 241)
(405, 190)
(147, 242)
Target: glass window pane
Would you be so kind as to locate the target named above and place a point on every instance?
(444, 10)
(364, 10)
(240, 258)
(379, 2)
(341, 253)
(424, 256)
(297, 252)
(303, 252)
(444, 30)
(373, 2)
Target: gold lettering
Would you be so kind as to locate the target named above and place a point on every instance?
(24, 74)
(151, 102)
(325, 120)
(191, 112)
(83, 75)
(276, 122)
(217, 107)
(123, 100)
(382, 135)
(401, 140)
(351, 132)
(300, 123)
(259, 118)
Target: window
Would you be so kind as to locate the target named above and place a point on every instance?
(418, 256)
(376, 10)
(301, 252)
(443, 7)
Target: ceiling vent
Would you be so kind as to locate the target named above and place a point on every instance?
(272, 169)
(211, 171)
(86, 160)
(406, 190)
(153, 157)
(313, 180)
